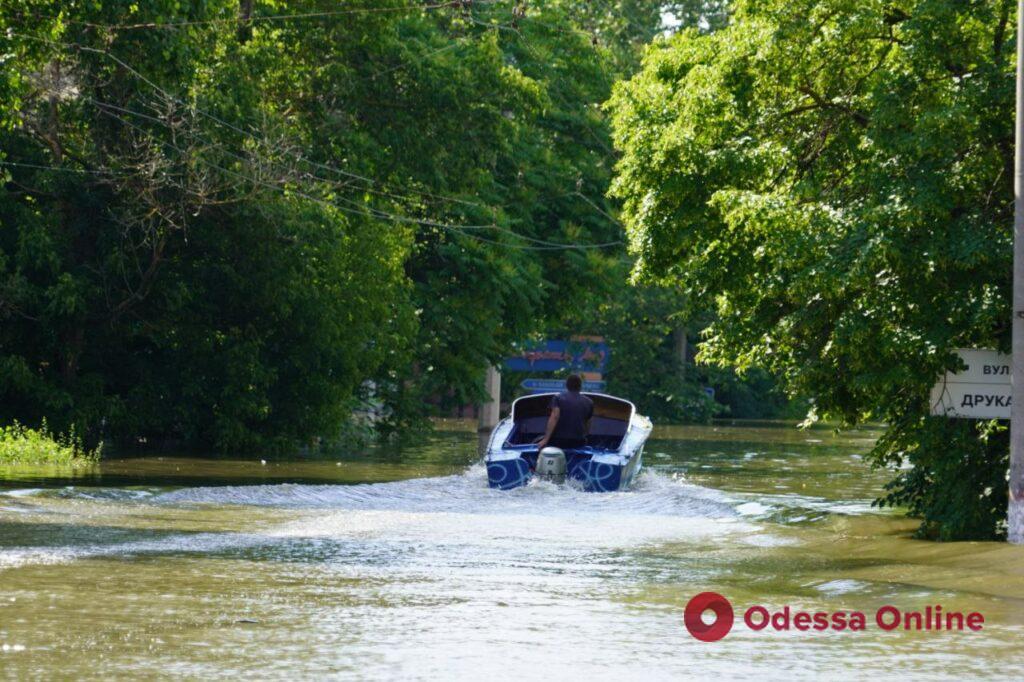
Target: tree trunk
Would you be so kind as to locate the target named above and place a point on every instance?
(244, 21)
(681, 350)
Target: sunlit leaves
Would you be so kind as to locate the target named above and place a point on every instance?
(833, 176)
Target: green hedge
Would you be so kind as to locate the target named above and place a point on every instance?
(22, 445)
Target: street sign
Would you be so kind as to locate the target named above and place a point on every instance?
(578, 355)
(982, 391)
(547, 385)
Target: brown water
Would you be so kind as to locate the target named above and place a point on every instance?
(401, 563)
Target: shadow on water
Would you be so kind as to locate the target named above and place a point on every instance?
(437, 454)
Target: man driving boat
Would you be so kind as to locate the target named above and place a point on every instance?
(569, 420)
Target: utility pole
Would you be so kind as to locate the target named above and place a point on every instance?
(490, 410)
(680, 349)
(1015, 511)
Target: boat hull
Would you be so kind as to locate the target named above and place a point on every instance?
(509, 473)
(590, 469)
(595, 476)
(589, 473)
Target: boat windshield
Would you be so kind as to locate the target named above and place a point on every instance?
(607, 427)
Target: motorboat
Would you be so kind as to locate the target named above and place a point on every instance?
(609, 461)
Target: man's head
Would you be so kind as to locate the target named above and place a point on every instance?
(574, 383)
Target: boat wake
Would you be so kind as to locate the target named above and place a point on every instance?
(467, 493)
(176, 544)
(443, 517)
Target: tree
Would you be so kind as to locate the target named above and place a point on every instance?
(226, 223)
(168, 269)
(832, 177)
(497, 116)
(406, 183)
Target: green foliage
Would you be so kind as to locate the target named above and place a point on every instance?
(703, 15)
(831, 177)
(642, 325)
(170, 267)
(219, 233)
(639, 326)
(754, 394)
(957, 477)
(530, 163)
(22, 445)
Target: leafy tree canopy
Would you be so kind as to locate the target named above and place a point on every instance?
(834, 178)
(224, 222)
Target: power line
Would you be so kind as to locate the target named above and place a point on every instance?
(103, 106)
(455, 4)
(540, 243)
(405, 65)
(376, 212)
(64, 169)
(339, 171)
(220, 121)
(367, 210)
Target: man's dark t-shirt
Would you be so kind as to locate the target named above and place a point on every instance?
(574, 410)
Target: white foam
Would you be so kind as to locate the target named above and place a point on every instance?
(21, 492)
(12, 557)
(467, 493)
(837, 587)
(437, 513)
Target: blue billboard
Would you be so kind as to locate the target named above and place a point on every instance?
(555, 356)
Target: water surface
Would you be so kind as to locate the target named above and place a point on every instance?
(401, 563)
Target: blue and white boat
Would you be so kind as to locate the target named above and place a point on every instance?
(609, 461)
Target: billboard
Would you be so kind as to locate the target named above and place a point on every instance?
(584, 355)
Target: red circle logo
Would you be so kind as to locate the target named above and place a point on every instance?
(708, 601)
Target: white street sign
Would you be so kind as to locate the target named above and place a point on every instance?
(982, 391)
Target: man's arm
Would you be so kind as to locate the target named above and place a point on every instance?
(552, 423)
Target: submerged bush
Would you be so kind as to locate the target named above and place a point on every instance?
(22, 445)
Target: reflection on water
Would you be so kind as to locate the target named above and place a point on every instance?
(402, 563)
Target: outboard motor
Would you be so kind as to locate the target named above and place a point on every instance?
(551, 464)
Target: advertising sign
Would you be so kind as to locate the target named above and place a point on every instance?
(583, 355)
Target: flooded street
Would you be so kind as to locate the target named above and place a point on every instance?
(401, 563)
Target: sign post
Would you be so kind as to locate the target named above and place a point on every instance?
(1015, 511)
